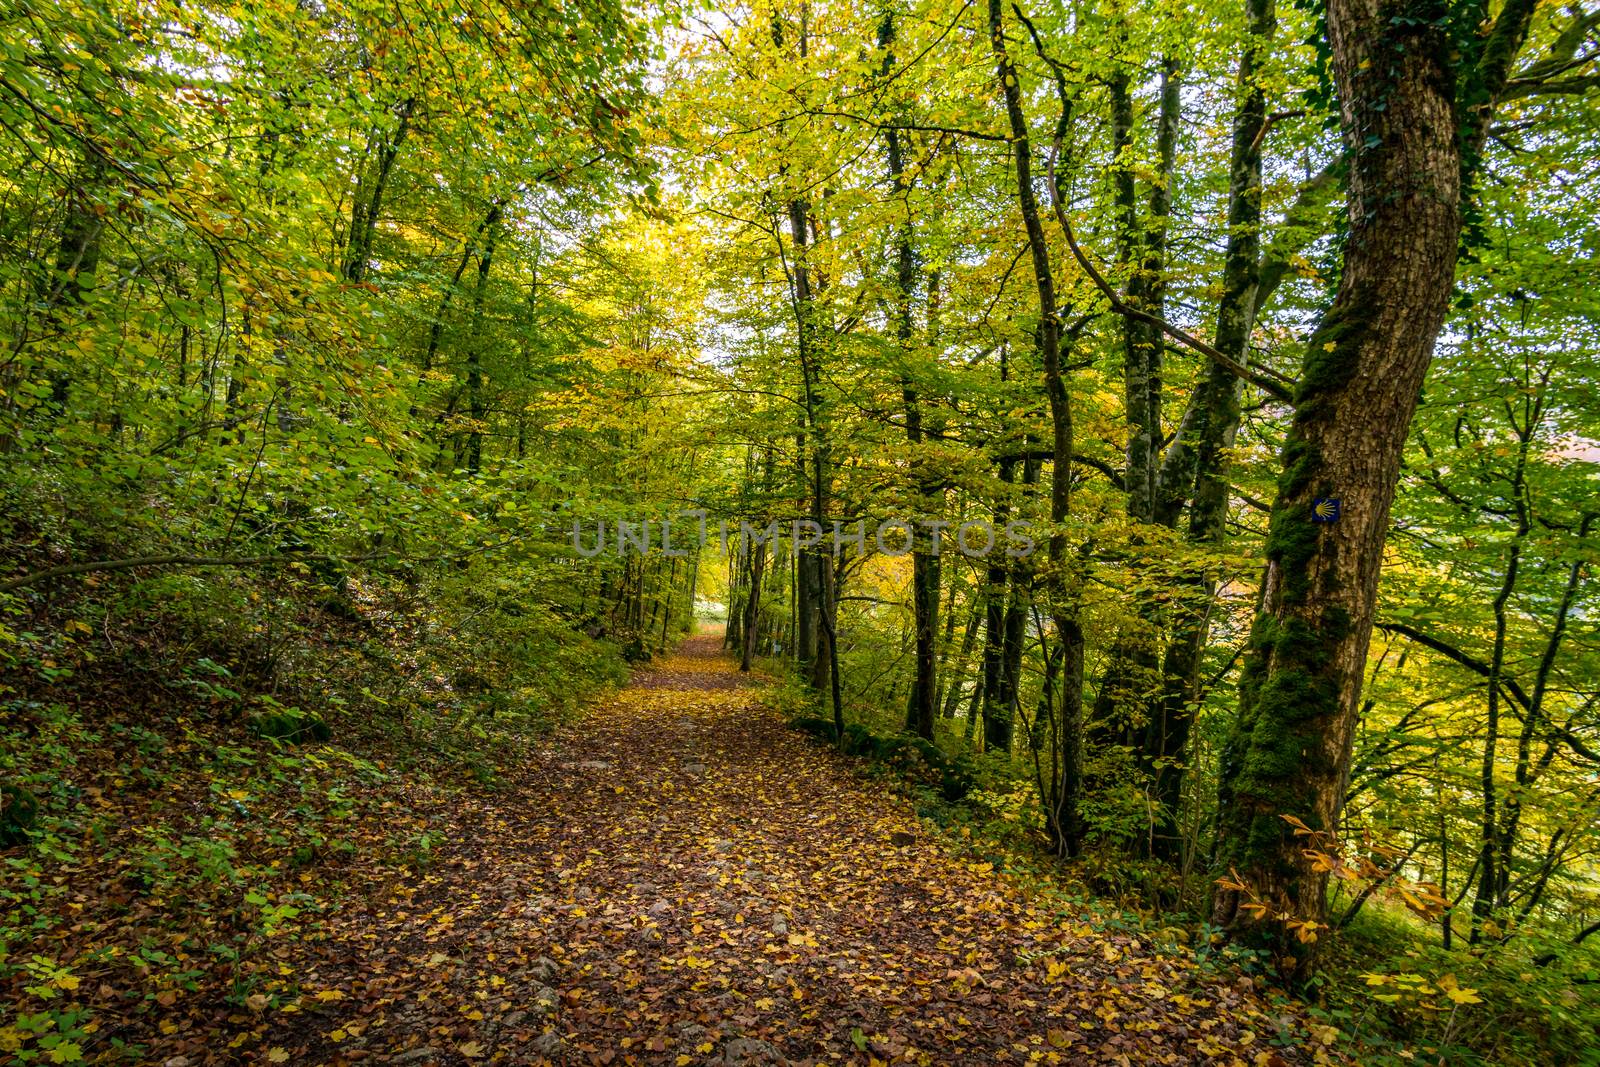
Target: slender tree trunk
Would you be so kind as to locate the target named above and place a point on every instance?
(77, 261)
(1019, 604)
(997, 723)
(367, 208)
(752, 610)
(1142, 246)
(946, 646)
(1067, 759)
(922, 708)
(955, 675)
(436, 328)
(475, 401)
(824, 664)
(1217, 412)
(1121, 711)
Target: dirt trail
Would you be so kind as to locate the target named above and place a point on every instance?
(682, 879)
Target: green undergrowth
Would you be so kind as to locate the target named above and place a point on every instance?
(1387, 993)
(914, 758)
(1397, 994)
(197, 769)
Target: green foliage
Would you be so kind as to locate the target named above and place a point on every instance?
(910, 757)
(292, 725)
(1395, 993)
(19, 809)
(323, 323)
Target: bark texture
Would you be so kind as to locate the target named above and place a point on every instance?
(1289, 754)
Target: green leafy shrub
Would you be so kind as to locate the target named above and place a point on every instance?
(19, 810)
(816, 726)
(292, 725)
(912, 757)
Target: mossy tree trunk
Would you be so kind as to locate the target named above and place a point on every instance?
(1289, 754)
(1412, 134)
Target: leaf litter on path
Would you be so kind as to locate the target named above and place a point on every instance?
(681, 879)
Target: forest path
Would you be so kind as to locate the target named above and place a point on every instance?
(683, 879)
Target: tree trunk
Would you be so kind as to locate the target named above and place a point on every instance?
(1067, 758)
(756, 567)
(1289, 753)
(955, 675)
(367, 207)
(923, 705)
(1216, 409)
(997, 725)
(1122, 707)
(475, 403)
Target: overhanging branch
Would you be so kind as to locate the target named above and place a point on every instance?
(1276, 389)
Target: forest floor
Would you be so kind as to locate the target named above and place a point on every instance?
(680, 878)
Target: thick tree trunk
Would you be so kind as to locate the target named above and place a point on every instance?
(1289, 754)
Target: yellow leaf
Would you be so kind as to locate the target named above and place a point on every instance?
(277, 1054)
(471, 1050)
(330, 994)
